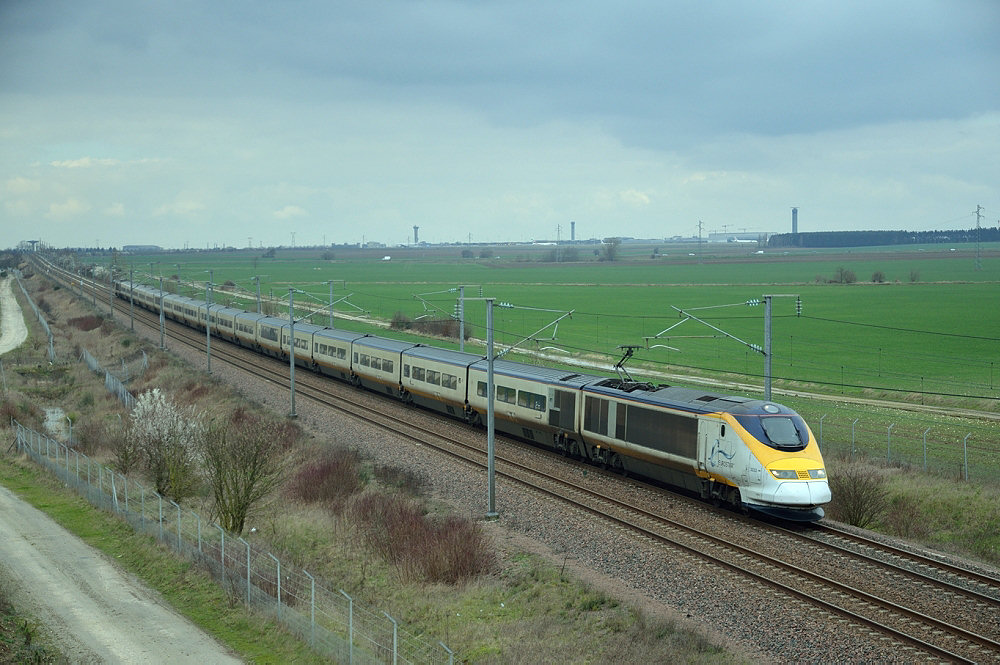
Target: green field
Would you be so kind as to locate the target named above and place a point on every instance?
(928, 332)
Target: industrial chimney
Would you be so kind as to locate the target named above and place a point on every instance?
(795, 220)
(572, 231)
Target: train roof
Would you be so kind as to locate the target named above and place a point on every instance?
(450, 356)
(383, 343)
(687, 399)
(253, 317)
(339, 335)
(564, 377)
(232, 311)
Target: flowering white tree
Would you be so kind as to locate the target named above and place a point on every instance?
(168, 439)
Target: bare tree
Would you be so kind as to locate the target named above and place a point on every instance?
(244, 462)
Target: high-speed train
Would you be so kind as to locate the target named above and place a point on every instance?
(748, 453)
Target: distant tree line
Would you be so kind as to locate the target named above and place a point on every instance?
(876, 238)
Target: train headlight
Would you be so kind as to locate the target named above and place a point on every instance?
(817, 473)
(784, 475)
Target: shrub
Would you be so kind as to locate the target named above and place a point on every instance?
(878, 277)
(167, 438)
(332, 479)
(400, 321)
(859, 495)
(85, 323)
(449, 550)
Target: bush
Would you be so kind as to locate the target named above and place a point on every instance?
(167, 439)
(860, 496)
(331, 480)
(400, 321)
(85, 323)
(449, 550)
(878, 277)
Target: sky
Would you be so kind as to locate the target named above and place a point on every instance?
(213, 124)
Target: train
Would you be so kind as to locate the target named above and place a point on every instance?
(750, 454)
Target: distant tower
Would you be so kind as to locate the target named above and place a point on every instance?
(572, 231)
(795, 220)
(416, 235)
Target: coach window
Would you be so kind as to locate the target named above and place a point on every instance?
(376, 363)
(365, 360)
(387, 365)
(531, 400)
(406, 371)
(434, 377)
(418, 373)
(481, 389)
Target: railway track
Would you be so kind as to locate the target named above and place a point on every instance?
(969, 635)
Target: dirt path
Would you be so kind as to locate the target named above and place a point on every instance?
(13, 332)
(93, 611)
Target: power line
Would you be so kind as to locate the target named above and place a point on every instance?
(909, 330)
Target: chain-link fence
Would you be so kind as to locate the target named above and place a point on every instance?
(332, 622)
(948, 452)
(112, 383)
(38, 313)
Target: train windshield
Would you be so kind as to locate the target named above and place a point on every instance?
(782, 431)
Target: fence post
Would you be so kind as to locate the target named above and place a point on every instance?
(160, 521)
(179, 548)
(821, 431)
(279, 583)
(198, 517)
(312, 608)
(925, 448)
(350, 627)
(451, 654)
(77, 453)
(852, 436)
(142, 506)
(395, 637)
(222, 553)
(248, 570)
(965, 452)
(888, 444)
(125, 490)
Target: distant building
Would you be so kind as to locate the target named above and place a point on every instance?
(141, 249)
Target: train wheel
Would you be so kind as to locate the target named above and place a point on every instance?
(617, 465)
(737, 502)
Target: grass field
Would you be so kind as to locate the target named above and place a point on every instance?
(929, 331)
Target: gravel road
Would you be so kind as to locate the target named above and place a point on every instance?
(94, 611)
(13, 332)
